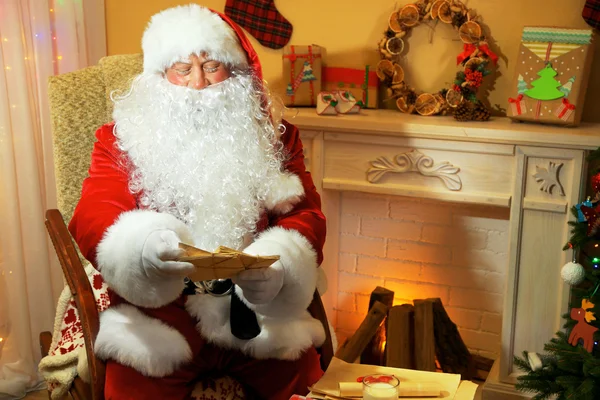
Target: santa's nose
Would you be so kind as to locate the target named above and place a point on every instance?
(198, 79)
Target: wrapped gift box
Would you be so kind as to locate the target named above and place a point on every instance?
(551, 76)
(302, 71)
(362, 83)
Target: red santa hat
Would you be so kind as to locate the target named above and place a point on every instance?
(176, 33)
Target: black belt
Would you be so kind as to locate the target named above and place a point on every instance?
(242, 319)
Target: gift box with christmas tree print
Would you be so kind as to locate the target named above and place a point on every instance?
(362, 83)
(302, 74)
(551, 75)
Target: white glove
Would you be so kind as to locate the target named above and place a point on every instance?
(160, 250)
(260, 286)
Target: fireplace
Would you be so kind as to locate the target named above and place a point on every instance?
(423, 249)
(429, 207)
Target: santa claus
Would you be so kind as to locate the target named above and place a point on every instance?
(197, 155)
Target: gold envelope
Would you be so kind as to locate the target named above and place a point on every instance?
(224, 263)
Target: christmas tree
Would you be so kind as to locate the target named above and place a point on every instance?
(307, 73)
(570, 367)
(546, 87)
(567, 87)
(289, 90)
(521, 85)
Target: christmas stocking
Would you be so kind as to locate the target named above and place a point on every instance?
(591, 13)
(262, 20)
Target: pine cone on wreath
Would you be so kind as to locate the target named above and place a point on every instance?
(464, 112)
(411, 97)
(481, 113)
(458, 19)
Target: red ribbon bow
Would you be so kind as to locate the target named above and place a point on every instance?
(470, 48)
(517, 100)
(568, 105)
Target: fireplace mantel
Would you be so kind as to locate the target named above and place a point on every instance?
(537, 171)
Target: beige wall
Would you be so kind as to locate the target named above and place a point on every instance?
(350, 30)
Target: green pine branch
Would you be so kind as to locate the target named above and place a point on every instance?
(569, 372)
(579, 235)
(594, 155)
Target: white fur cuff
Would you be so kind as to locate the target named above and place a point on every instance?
(138, 341)
(299, 262)
(120, 258)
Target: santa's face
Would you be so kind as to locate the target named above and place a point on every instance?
(197, 72)
(206, 156)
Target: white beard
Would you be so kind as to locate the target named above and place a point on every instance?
(207, 156)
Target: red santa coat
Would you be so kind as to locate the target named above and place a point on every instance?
(110, 230)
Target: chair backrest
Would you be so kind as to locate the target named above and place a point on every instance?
(82, 293)
(79, 104)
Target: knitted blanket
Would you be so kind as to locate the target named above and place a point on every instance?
(66, 358)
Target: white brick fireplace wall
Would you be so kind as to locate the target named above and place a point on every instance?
(420, 248)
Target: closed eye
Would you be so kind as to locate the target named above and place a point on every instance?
(211, 67)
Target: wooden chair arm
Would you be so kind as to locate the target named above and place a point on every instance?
(317, 310)
(45, 342)
(82, 293)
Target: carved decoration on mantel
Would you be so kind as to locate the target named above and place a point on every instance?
(549, 177)
(415, 161)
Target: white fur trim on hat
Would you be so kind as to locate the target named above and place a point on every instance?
(178, 32)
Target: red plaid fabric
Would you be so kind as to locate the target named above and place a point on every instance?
(591, 13)
(262, 20)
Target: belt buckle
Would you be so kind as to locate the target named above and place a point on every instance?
(213, 287)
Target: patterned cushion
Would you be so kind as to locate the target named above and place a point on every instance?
(222, 388)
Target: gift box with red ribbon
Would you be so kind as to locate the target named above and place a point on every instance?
(362, 83)
(517, 105)
(302, 73)
(551, 75)
(565, 110)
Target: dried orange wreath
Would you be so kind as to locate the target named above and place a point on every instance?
(461, 98)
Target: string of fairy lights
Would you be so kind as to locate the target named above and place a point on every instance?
(58, 57)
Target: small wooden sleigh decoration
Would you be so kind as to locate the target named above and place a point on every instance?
(224, 263)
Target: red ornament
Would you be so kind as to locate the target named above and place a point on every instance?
(582, 330)
(596, 183)
(592, 216)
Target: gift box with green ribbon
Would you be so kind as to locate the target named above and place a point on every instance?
(362, 83)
